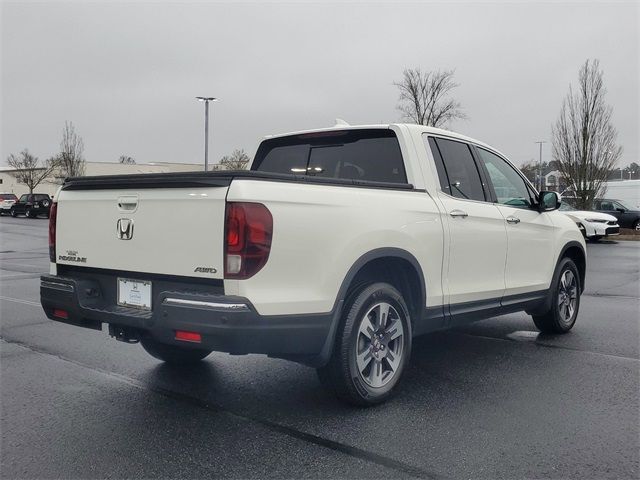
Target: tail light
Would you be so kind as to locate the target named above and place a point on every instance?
(248, 230)
(53, 213)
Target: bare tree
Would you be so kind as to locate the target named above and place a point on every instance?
(28, 170)
(584, 140)
(238, 160)
(424, 97)
(70, 161)
(126, 160)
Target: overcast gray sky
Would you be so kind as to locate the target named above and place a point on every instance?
(126, 73)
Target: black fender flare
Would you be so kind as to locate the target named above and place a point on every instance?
(336, 312)
(566, 247)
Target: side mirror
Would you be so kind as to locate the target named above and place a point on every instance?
(548, 201)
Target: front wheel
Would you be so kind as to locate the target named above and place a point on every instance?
(14, 214)
(372, 347)
(636, 226)
(171, 353)
(565, 300)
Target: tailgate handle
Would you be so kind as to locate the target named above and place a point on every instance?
(128, 203)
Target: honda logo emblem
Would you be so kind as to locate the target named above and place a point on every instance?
(125, 229)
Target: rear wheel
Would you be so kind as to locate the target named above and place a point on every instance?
(171, 353)
(636, 226)
(13, 213)
(565, 300)
(372, 347)
(27, 213)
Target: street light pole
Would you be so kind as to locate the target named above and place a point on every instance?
(206, 101)
(540, 162)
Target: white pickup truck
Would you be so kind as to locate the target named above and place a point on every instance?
(336, 249)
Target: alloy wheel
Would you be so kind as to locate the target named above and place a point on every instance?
(567, 296)
(379, 345)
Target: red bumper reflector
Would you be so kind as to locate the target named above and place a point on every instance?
(60, 313)
(188, 336)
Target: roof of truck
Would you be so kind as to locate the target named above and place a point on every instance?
(410, 126)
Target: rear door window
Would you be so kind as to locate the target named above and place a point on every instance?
(366, 155)
(463, 176)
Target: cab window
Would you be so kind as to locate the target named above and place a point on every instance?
(510, 188)
(455, 161)
(359, 154)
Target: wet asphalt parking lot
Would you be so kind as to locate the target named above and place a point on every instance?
(491, 400)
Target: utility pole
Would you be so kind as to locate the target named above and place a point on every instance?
(206, 101)
(540, 162)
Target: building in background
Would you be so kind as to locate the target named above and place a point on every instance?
(9, 184)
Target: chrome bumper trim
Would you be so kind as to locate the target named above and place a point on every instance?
(230, 307)
(65, 287)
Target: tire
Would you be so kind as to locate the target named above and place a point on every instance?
(565, 300)
(13, 213)
(636, 226)
(171, 353)
(45, 203)
(385, 348)
(27, 213)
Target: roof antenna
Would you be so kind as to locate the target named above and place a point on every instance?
(340, 122)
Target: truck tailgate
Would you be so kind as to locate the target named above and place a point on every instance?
(173, 231)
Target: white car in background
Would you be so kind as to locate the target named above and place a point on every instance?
(593, 225)
(6, 201)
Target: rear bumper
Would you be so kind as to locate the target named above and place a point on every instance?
(226, 323)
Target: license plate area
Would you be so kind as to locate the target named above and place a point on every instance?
(134, 293)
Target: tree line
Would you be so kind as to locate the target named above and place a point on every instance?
(68, 162)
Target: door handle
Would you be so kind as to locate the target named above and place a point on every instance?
(513, 220)
(458, 213)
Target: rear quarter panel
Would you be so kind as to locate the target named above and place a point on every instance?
(320, 231)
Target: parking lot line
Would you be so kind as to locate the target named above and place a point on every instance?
(19, 300)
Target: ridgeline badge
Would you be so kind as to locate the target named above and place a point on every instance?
(72, 256)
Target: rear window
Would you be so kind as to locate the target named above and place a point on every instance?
(368, 155)
(5, 196)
